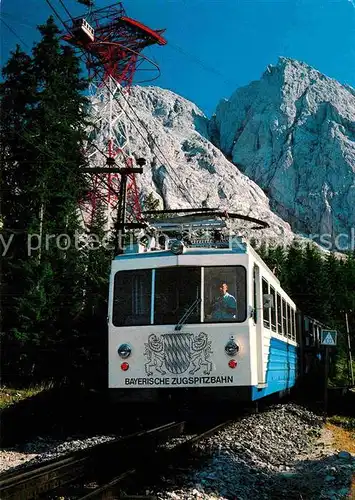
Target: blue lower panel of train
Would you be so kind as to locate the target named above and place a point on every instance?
(281, 371)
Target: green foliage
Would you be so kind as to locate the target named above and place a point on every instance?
(345, 422)
(10, 396)
(323, 287)
(42, 132)
(149, 202)
(53, 305)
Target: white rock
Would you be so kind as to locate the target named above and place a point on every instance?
(186, 169)
(293, 132)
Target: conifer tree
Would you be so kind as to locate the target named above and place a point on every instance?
(275, 258)
(294, 271)
(336, 286)
(316, 286)
(93, 318)
(52, 281)
(17, 93)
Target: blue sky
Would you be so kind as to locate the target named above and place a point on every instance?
(215, 46)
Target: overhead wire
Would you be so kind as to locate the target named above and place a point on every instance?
(186, 193)
(39, 147)
(14, 33)
(201, 63)
(155, 143)
(16, 19)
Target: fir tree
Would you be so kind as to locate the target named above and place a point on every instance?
(294, 271)
(51, 290)
(316, 286)
(93, 318)
(17, 168)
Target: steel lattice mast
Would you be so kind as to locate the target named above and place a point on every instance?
(112, 46)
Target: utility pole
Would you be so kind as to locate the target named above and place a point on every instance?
(326, 377)
(328, 339)
(349, 350)
(112, 45)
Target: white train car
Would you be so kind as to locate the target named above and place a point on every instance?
(213, 320)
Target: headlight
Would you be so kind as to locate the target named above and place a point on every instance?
(177, 247)
(124, 351)
(231, 348)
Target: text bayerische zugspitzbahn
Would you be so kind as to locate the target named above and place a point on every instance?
(178, 380)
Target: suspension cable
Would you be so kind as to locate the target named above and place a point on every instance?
(186, 194)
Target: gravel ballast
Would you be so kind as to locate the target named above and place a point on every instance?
(282, 453)
(44, 449)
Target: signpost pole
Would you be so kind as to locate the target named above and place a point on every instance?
(328, 339)
(326, 376)
(349, 350)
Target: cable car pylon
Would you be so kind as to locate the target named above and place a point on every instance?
(111, 45)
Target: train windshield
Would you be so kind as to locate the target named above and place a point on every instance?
(165, 296)
(176, 288)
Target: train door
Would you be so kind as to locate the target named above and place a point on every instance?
(258, 320)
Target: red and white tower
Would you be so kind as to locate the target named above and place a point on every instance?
(112, 46)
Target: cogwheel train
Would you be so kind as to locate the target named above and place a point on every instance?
(206, 316)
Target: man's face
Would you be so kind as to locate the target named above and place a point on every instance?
(223, 289)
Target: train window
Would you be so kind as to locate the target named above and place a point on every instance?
(132, 297)
(293, 324)
(317, 337)
(289, 321)
(225, 294)
(279, 315)
(273, 310)
(176, 290)
(255, 302)
(284, 317)
(311, 333)
(266, 311)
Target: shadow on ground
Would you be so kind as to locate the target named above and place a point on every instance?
(230, 478)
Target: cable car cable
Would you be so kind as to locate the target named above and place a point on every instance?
(133, 123)
(14, 33)
(130, 119)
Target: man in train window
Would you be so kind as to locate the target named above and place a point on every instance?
(225, 307)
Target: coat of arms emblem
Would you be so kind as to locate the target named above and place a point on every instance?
(176, 352)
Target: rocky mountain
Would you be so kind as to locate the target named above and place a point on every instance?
(280, 149)
(186, 169)
(293, 133)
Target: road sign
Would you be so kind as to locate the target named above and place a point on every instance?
(329, 337)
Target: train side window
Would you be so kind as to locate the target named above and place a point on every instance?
(318, 335)
(266, 311)
(279, 315)
(294, 324)
(289, 321)
(311, 333)
(132, 297)
(273, 309)
(284, 317)
(255, 302)
(225, 294)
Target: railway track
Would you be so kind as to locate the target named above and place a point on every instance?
(162, 460)
(38, 480)
(101, 471)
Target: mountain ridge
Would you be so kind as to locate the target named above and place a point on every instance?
(282, 147)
